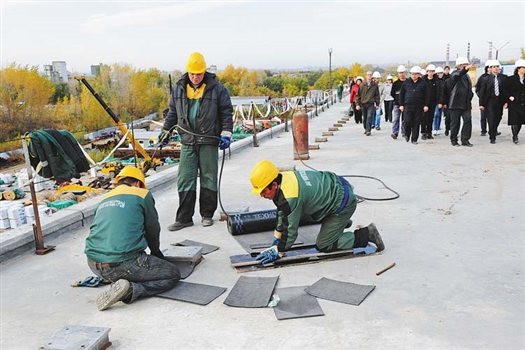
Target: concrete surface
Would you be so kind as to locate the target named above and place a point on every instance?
(455, 234)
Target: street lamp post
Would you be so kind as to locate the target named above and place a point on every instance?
(330, 50)
(498, 50)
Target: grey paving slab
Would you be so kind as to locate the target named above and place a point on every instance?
(206, 248)
(454, 234)
(296, 303)
(197, 293)
(340, 291)
(251, 292)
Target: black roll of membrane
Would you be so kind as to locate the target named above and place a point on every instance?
(252, 222)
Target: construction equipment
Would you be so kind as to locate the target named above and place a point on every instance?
(114, 168)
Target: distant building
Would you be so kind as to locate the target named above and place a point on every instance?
(212, 69)
(452, 63)
(95, 69)
(56, 72)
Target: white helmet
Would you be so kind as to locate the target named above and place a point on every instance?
(389, 77)
(415, 69)
(439, 70)
(423, 72)
(488, 63)
(431, 67)
(461, 60)
(358, 78)
(401, 68)
(376, 75)
(519, 63)
(495, 63)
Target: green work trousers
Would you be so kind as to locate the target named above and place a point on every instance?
(196, 160)
(332, 235)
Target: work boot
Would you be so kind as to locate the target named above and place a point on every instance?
(375, 237)
(207, 222)
(117, 291)
(179, 225)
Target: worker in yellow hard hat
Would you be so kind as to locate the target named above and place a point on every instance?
(126, 223)
(321, 196)
(201, 108)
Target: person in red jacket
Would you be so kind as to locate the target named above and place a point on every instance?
(358, 115)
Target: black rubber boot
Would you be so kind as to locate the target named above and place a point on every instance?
(375, 237)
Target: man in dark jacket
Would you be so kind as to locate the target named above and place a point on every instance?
(202, 109)
(321, 196)
(368, 101)
(412, 102)
(479, 87)
(126, 223)
(491, 100)
(433, 90)
(458, 97)
(398, 115)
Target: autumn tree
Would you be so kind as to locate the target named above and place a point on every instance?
(24, 94)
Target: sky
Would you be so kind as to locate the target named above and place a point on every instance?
(255, 34)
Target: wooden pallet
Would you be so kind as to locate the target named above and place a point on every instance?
(247, 263)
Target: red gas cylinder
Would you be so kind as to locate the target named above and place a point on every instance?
(300, 136)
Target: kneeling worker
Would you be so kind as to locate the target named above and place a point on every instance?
(126, 223)
(320, 196)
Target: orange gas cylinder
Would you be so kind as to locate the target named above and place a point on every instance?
(300, 136)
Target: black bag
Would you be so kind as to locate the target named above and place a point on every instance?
(351, 111)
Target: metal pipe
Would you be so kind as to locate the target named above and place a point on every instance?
(40, 249)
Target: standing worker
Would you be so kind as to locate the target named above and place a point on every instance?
(202, 108)
(458, 100)
(398, 114)
(491, 100)
(413, 103)
(340, 91)
(367, 100)
(125, 224)
(320, 196)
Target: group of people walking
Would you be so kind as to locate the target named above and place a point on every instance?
(417, 104)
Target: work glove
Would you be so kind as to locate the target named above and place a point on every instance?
(276, 238)
(225, 142)
(269, 255)
(158, 254)
(164, 137)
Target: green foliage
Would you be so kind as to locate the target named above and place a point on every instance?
(61, 92)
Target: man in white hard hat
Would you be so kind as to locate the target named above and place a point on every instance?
(458, 98)
(439, 108)
(491, 99)
(389, 100)
(398, 114)
(480, 85)
(376, 121)
(433, 99)
(412, 102)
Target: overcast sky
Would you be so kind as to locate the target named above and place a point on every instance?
(254, 34)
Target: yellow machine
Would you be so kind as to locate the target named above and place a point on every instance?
(114, 168)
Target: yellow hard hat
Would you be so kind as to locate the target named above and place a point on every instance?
(262, 175)
(196, 63)
(131, 171)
